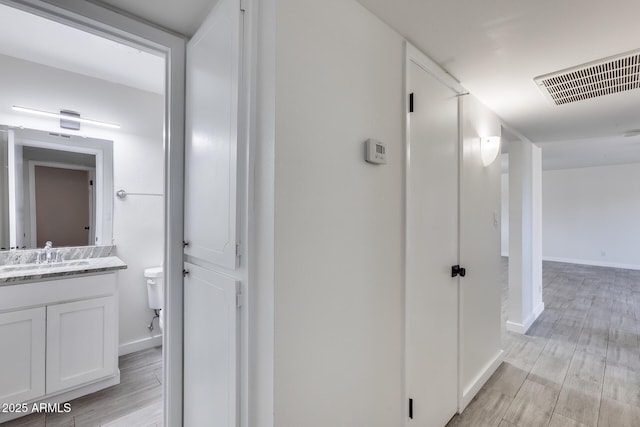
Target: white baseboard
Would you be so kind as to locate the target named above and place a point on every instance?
(593, 263)
(143, 344)
(522, 328)
(475, 386)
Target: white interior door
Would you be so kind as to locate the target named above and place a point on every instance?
(210, 344)
(210, 377)
(213, 67)
(432, 249)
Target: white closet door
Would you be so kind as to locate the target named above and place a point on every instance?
(210, 349)
(432, 249)
(213, 67)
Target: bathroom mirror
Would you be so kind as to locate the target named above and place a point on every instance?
(54, 187)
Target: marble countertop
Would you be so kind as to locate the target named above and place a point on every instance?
(10, 273)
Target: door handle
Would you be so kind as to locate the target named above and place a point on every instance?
(457, 270)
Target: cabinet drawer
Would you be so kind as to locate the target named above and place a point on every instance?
(46, 292)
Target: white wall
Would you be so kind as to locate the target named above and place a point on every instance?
(590, 215)
(504, 243)
(339, 312)
(525, 233)
(262, 225)
(4, 194)
(480, 291)
(138, 166)
(338, 220)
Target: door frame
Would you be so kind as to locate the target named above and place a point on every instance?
(415, 56)
(108, 23)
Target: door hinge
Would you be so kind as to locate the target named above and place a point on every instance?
(457, 270)
(411, 102)
(238, 252)
(410, 408)
(239, 298)
(243, 5)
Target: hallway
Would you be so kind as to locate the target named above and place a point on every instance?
(578, 365)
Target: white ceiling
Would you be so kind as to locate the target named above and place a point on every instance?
(182, 17)
(56, 45)
(496, 47)
(493, 47)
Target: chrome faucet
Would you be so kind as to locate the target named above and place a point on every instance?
(48, 248)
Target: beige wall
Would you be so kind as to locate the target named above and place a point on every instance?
(62, 206)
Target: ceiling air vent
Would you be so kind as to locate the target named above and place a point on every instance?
(603, 77)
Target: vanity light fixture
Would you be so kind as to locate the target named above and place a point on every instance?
(489, 149)
(66, 117)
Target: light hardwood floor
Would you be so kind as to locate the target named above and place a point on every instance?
(135, 402)
(578, 365)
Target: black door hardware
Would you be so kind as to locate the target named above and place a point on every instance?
(410, 408)
(457, 270)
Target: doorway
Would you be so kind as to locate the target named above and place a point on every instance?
(130, 33)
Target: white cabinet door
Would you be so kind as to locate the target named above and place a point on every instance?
(213, 67)
(81, 342)
(210, 349)
(22, 355)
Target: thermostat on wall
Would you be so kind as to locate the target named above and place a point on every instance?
(375, 152)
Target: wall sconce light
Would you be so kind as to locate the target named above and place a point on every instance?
(65, 117)
(489, 149)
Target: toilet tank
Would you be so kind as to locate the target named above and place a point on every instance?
(154, 287)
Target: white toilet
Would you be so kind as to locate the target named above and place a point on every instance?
(155, 294)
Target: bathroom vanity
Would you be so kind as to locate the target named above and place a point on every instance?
(58, 331)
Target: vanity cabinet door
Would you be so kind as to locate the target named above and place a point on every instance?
(22, 355)
(81, 342)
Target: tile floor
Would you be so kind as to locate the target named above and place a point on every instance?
(578, 365)
(135, 402)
